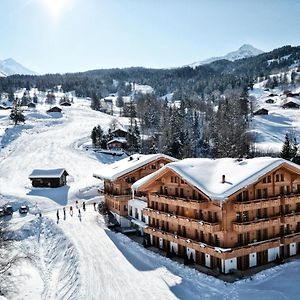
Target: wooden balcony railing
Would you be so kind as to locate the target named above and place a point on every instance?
(178, 201)
(266, 202)
(183, 221)
(257, 224)
(223, 253)
(118, 197)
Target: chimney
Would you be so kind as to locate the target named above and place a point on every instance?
(223, 178)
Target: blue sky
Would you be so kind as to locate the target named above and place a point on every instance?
(77, 35)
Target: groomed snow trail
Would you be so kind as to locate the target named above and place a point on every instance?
(105, 271)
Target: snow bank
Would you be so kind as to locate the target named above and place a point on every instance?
(53, 255)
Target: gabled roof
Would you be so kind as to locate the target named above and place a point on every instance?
(47, 173)
(206, 174)
(54, 109)
(118, 139)
(127, 165)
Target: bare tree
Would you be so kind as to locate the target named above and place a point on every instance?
(9, 257)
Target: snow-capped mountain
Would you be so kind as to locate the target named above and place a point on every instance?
(11, 67)
(243, 52)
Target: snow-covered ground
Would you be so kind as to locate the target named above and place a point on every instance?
(270, 130)
(78, 258)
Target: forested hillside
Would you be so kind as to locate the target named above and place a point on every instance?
(203, 80)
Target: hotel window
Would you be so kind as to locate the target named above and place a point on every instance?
(265, 193)
(153, 167)
(269, 179)
(265, 180)
(281, 177)
(277, 177)
(245, 196)
(181, 192)
(258, 194)
(176, 179)
(239, 197)
(172, 179)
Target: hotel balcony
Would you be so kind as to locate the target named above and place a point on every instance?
(178, 201)
(223, 253)
(183, 221)
(266, 202)
(119, 198)
(257, 204)
(257, 224)
(293, 217)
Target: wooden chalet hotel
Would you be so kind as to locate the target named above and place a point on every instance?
(226, 214)
(119, 176)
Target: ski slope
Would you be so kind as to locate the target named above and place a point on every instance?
(270, 130)
(51, 144)
(78, 258)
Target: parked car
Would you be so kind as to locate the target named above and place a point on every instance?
(23, 209)
(2, 212)
(8, 210)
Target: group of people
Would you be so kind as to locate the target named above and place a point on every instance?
(71, 210)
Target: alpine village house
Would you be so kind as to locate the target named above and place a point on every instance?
(119, 176)
(224, 214)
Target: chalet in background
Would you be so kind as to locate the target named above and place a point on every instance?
(261, 111)
(224, 214)
(119, 176)
(291, 104)
(120, 132)
(48, 177)
(270, 100)
(54, 109)
(66, 103)
(31, 105)
(117, 144)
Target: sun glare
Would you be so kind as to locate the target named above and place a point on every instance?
(56, 7)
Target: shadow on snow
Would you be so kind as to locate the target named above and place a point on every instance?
(59, 195)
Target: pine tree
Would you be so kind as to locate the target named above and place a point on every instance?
(17, 116)
(95, 102)
(98, 139)
(119, 101)
(286, 151)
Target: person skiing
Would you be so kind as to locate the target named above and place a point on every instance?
(64, 210)
(83, 205)
(95, 206)
(57, 215)
(71, 210)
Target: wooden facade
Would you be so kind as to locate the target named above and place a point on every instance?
(258, 224)
(118, 192)
(50, 181)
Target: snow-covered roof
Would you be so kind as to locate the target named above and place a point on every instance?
(118, 139)
(47, 173)
(128, 164)
(206, 174)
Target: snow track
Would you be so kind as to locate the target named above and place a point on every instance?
(53, 255)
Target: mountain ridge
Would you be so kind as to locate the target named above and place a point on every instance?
(10, 67)
(244, 51)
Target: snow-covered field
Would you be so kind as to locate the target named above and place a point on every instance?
(78, 258)
(270, 130)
